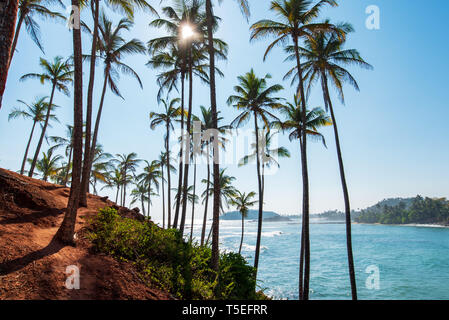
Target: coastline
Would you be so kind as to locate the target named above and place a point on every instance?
(419, 225)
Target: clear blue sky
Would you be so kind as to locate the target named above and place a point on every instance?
(394, 132)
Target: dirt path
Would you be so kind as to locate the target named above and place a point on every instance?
(33, 266)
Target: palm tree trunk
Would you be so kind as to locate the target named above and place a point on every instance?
(67, 228)
(16, 38)
(345, 195)
(88, 148)
(124, 190)
(22, 169)
(243, 232)
(66, 178)
(301, 254)
(100, 109)
(215, 259)
(194, 196)
(41, 139)
(259, 181)
(163, 198)
(149, 199)
(187, 148)
(203, 231)
(143, 205)
(8, 17)
(168, 179)
(305, 178)
(116, 196)
(178, 196)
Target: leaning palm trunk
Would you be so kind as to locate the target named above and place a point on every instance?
(345, 193)
(88, 149)
(100, 109)
(8, 17)
(305, 179)
(16, 38)
(187, 149)
(143, 206)
(243, 232)
(22, 169)
(66, 177)
(194, 196)
(178, 196)
(67, 228)
(216, 168)
(41, 139)
(203, 231)
(259, 182)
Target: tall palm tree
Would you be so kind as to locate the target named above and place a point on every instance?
(27, 10)
(191, 198)
(128, 7)
(112, 49)
(8, 12)
(325, 59)
(59, 73)
(150, 176)
(293, 122)
(35, 111)
(215, 259)
(128, 164)
(243, 202)
(295, 22)
(255, 98)
(48, 165)
(67, 229)
(170, 114)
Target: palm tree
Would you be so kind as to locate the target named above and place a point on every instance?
(243, 202)
(267, 153)
(325, 58)
(100, 166)
(166, 118)
(128, 8)
(59, 73)
(114, 179)
(67, 143)
(36, 112)
(140, 193)
(128, 164)
(48, 165)
(8, 12)
(191, 198)
(67, 229)
(164, 162)
(215, 259)
(207, 124)
(112, 49)
(295, 22)
(150, 176)
(315, 119)
(227, 192)
(27, 10)
(254, 98)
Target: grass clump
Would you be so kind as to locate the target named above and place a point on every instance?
(165, 259)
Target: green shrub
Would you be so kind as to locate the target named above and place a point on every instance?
(167, 261)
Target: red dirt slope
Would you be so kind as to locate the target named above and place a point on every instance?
(33, 266)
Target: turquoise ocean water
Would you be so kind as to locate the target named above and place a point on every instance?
(413, 262)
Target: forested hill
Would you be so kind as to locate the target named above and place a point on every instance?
(405, 211)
